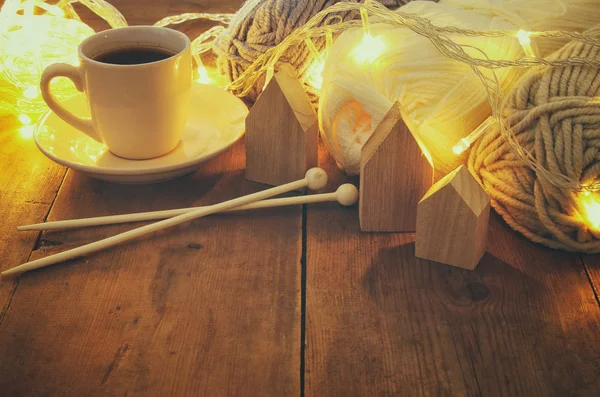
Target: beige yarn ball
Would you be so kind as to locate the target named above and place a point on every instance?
(555, 115)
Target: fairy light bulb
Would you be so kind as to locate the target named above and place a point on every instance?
(315, 74)
(589, 205)
(24, 119)
(203, 76)
(467, 141)
(369, 49)
(525, 41)
(461, 146)
(31, 92)
(26, 131)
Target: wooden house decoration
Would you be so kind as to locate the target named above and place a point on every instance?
(282, 132)
(394, 175)
(452, 221)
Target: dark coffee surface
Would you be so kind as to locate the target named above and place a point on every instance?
(133, 56)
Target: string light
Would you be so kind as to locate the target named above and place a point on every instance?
(440, 37)
(225, 19)
(30, 42)
(467, 141)
(328, 40)
(525, 41)
(317, 27)
(202, 44)
(370, 48)
(589, 206)
(314, 74)
(364, 19)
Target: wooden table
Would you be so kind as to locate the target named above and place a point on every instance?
(286, 302)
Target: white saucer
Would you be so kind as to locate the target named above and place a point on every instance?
(216, 122)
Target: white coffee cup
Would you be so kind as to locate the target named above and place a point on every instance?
(138, 110)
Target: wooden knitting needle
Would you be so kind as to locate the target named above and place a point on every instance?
(315, 178)
(346, 195)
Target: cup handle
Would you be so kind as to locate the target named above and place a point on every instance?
(72, 73)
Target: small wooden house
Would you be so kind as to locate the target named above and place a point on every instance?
(452, 221)
(394, 175)
(282, 132)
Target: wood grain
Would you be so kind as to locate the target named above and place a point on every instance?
(591, 264)
(394, 176)
(382, 323)
(213, 308)
(452, 221)
(28, 185)
(282, 132)
(29, 181)
(201, 309)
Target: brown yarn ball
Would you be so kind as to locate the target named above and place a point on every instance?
(555, 115)
(263, 24)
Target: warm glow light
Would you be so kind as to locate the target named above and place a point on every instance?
(31, 40)
(523, 37)
(461, 146)
(203, 76)
(209, 75)
(315, 73)
(467, 141)
(32, 92)
(24, 119)
(369, 49)
(26, 131)
(525, 41)
(589, 205)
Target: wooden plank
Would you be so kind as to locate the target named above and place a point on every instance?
(29, 181)
(592, 269)
(203, 309)
(28, 185)
(382, 323)
(210, 308)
